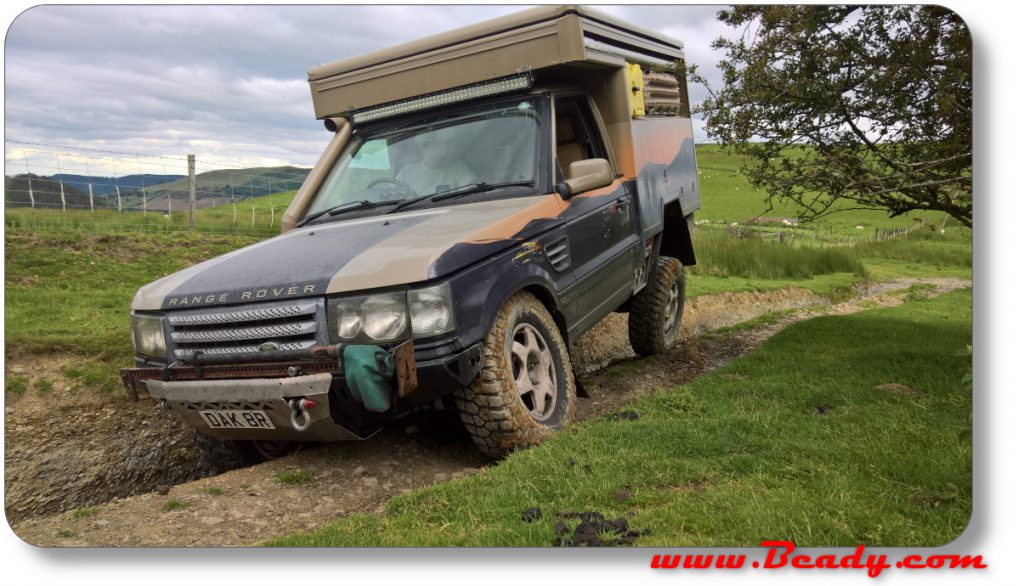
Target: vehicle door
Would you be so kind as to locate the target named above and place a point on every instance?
(601, 223)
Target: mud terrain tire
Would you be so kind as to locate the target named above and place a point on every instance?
(656, 312)
(525, 390)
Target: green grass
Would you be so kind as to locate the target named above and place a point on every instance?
(174, 505)
(761, 321)
(278, 202)
(787, 442)
(260, 216)
(727, 196)
(82, 512)
(300, 476)
(750, 258)
(252, 180)
(15, 384)
(94, 374)
(924, 248)
(751, 264)
(70, 291)
(825, 285)
(214, 491)
(918, 292)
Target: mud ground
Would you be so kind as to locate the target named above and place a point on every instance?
(87, 469)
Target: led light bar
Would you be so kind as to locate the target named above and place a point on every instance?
(490, 88)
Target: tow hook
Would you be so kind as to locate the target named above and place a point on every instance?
(300, 413)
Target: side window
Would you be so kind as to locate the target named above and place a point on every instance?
(576, 134)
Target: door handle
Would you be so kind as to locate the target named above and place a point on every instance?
(620, 205)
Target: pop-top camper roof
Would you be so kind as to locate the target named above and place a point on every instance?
(526, 41)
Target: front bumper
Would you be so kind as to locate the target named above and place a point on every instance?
(199, 400)
(320, 377)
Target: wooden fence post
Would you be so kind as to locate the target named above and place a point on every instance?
(191, 192)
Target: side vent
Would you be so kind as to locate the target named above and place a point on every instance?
(558, 254)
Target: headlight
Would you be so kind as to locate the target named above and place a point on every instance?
(385, 317)
(349, 317)
(148, 336)
(431, 311)
(370, 318)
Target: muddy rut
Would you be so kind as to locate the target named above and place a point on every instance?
(83, 469)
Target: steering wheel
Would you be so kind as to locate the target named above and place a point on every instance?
(402, 185)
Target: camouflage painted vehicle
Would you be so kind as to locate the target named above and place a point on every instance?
(487, 196)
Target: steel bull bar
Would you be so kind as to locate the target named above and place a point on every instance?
(280, 400)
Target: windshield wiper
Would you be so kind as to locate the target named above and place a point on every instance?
(348, 206)
(458, 192)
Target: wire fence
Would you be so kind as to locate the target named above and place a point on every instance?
(56, 186)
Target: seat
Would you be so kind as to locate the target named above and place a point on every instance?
(568, 149)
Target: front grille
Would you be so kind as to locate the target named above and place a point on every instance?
(240, 331)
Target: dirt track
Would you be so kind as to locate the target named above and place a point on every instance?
(69, 450)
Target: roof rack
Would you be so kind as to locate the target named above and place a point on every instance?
(527, 41)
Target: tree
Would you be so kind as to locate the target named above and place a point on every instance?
(848, 107)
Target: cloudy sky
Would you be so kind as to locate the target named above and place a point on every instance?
(227, 83)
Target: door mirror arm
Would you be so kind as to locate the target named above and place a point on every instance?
(562, 189)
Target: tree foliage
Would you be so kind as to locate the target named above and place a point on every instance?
(843, 107)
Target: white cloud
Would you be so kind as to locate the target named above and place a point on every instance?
(226, 82)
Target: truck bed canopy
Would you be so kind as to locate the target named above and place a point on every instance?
(531, 40)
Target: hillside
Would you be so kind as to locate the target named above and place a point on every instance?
(109, 185)
(727, 196)
(223, 185)
(45, 191)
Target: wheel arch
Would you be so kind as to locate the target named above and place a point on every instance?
(547, 298)
(676, 239)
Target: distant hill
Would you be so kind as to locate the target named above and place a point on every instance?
(105, 185)
(227, 183)
(161, 191)
(45, 191)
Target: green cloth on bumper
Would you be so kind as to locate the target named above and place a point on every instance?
(369, 374)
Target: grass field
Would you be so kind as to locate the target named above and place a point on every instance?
(69, 291)
(727, 196)
(258, 216)
(788, 442)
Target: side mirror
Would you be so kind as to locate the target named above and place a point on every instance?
(586, 175)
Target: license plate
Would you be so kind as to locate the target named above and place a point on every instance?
(237, 419)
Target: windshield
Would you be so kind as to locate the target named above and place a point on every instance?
(492, 145)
